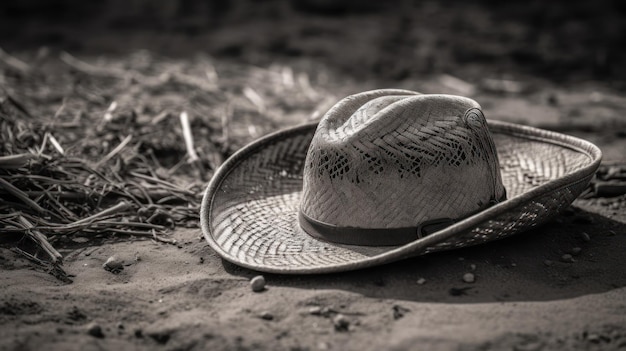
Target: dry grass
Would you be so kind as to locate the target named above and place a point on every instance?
(124, 147)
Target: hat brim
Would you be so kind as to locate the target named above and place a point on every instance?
(250, 209)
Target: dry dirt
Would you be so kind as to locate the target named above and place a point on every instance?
(182, 296)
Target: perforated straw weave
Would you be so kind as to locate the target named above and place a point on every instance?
(250, 209)
(389, 161)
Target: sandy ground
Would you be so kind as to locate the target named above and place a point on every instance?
(184, 297)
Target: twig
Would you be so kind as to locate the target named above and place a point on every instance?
(41, 240)
(184, 120)
(55, 269)
(115, 151)
(255, 98)
(108, 115)
(20, 195)
(122, 206)
(162, 182)
(88, 68)
(163, 240)
(55, 143)
(14, 62)
(15, 161)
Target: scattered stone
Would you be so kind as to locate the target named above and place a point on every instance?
(94, 329)
(594, 338)
(576, 251)
(567, 258)
(341, 322)
(473, 267)
(323, 345)
(315, 310)
(421, 281)
(548, 263)
(113, 265)
(469, 277)
(266, 315)
(399, 311)
(586, 238)
(257, 283)
(138, 333)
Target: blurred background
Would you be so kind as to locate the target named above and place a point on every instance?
(559, 40)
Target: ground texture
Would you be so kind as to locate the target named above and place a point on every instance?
(114, 108)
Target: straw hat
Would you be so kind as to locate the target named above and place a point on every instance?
(385, 175)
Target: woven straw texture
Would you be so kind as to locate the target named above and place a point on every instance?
(250, 209)
(400, 160)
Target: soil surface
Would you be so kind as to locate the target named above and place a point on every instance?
(242, 71)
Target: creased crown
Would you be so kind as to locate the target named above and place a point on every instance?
(396, 158)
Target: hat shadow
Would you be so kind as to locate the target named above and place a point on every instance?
(532, 266)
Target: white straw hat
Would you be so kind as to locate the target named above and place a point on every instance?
(385, 175)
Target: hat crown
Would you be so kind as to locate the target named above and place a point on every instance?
(394, 158)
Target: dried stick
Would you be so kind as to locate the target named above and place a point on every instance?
(20, 195)
(15, 161)
(184, 120)
(56, 144)
(122, 206)
(41, 240)
(14, 62)
(115, 151)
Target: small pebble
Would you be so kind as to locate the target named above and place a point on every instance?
(315, 310)
(322, 345)
(567, 258)
(576, 251)
(95, 330)
(266, 315)
(399, 311)
(257, 283)
(113, 265)
(585, 237)
(469, 278)
(473, 267)
(548, 263)
(341, 322)
(421, 281)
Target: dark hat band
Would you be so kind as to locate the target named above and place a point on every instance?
(376, 236)
(371, 236)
